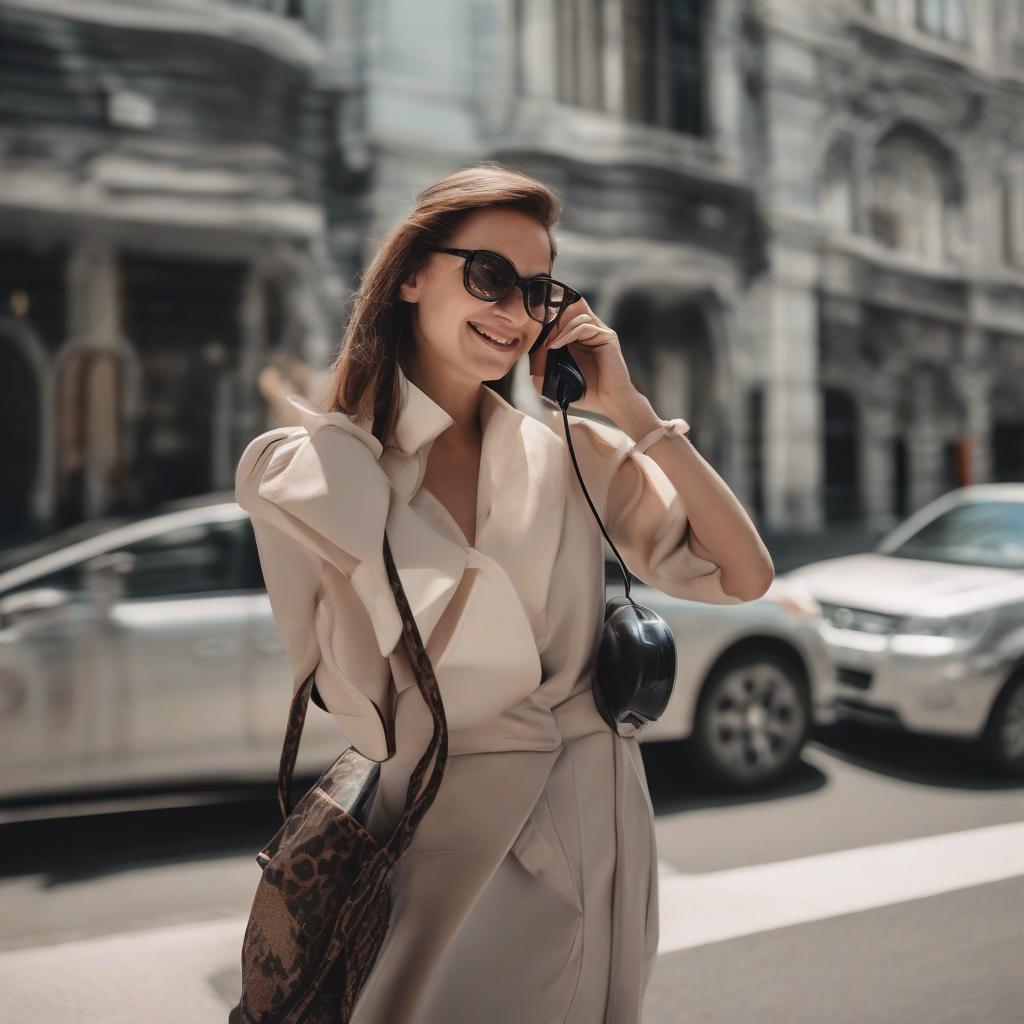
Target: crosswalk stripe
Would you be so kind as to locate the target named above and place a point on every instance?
(190, 972)
(699, 909)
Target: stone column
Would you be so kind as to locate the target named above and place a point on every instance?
(614, 57)
(94, 301)
(94, 316)
(793, 429)
(724, 80)
(537, 57)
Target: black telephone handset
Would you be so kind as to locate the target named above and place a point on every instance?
(564, 382)
(636, 661)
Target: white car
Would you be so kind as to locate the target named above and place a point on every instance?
(751, 681)
(146, 653)
(927, 633)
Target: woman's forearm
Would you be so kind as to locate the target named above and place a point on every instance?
(720, 529)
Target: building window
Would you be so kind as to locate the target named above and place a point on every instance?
(182, 316)
(665, 63)
(755, 449)
(900, 478)
(20, 437)
(842, 492)
(580, 26)
(946, 19)
(907, 199)
(1007, 452)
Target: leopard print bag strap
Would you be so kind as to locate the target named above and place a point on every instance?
(290, 749)
(417, 803)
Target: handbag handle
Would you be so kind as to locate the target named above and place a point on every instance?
(416, 803)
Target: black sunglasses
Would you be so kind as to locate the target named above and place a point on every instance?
(490, 276)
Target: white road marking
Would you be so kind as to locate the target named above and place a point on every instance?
(698, 909)
(191, 972)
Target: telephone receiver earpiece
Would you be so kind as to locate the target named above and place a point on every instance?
(564, 382)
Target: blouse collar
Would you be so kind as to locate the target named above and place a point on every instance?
(420, 419)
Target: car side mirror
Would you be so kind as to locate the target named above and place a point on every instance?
(32, 605)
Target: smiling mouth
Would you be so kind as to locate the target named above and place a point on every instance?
(493, 340)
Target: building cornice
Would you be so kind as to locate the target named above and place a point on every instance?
(283, 38)
(847, 26)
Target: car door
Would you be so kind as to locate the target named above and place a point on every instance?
(54, 684)
(179, 624)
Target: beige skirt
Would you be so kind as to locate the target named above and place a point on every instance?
(484, 932)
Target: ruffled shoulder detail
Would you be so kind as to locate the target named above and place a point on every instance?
(320, 483)
(313, 419)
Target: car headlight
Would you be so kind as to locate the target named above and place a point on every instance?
(930, 638)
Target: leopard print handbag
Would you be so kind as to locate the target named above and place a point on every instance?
(322, 907)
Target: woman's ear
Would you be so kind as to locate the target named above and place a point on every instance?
(410, 289)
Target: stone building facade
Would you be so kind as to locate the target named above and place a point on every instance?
(167, 174)
(804, 217)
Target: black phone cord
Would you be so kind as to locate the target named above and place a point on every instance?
(586, 494)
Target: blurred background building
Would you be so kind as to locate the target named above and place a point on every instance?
(804, 217)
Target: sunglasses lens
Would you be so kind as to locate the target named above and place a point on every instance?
(545, 299)
(491, 277)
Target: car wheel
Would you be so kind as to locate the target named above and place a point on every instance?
(1004, 736)
(752, 719)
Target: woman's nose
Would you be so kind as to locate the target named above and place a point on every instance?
(512, 307)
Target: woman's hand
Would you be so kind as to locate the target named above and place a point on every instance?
(595, 347)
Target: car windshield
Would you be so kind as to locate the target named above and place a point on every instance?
(989, 533)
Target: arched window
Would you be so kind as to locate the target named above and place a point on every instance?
(907, 198)
(946, 19)
(835, 196)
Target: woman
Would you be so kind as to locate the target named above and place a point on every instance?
(529, 892)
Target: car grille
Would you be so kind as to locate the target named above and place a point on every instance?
(853, 677)
(860, 620)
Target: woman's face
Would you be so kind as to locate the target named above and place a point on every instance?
(462, 338)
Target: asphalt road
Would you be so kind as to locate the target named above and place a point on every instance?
(952, 956)
(946, 959)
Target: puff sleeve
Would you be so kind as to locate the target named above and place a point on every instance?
(319, 539)
(644, 515)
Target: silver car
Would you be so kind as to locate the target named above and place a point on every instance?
(927, 633)
(146, 652)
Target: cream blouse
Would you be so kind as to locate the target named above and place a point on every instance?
(320, 495)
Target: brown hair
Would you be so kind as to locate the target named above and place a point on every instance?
(378, 341)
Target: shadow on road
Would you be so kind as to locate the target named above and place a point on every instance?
(677, 784)
(928, 760)
(81, 841)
